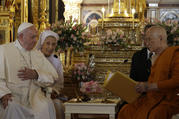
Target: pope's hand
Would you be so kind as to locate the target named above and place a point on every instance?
(27, 74)
(141, 87)
(5, 99)
(54, 95)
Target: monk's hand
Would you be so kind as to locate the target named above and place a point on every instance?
(141, 87)
(5, 99)
(152, 87)
(27, 74)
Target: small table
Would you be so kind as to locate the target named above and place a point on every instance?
(91, 108)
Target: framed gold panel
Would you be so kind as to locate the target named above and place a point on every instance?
(4, 27)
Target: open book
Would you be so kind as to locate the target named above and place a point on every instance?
(121, 85)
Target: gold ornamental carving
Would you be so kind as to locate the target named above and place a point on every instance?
(123, 17)
(24, 11)
(43, 19)
(7, 14)
(72, 8)
(35, 10)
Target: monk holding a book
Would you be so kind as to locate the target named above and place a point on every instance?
(162, 89)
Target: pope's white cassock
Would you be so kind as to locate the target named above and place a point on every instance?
(29, 102)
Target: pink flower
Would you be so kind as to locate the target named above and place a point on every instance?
(79, 72)
(142, 32)
(68, 21)
(75, 38)
(91, 87)
(109, 32)
(70, 17)
(121, 36)
(72, 35)
(75, 20)
(113, 37)
(175, 22)
(74, 27)
(156, 21)
(84, 25)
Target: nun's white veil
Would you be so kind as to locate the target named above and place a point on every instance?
(43, 36)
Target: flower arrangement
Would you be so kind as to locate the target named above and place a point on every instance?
(90, 87)
(114, 38)
(79, 73)
(172, 28)
(83, 72)
(71, 34)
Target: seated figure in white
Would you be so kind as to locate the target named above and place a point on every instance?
(23, 71)
(47, 44)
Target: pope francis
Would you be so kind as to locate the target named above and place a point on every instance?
(23, 71)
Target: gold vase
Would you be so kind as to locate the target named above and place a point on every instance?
(67, 59)
(77, 92)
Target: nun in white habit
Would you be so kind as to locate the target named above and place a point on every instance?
(23, 71)
(47, 44)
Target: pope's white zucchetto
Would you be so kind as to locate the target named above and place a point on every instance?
(44, 35)
(24, 26)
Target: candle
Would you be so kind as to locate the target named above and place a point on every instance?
(126, 14)
(133, 12)
(103, 10)
(130, 6)
(108, 6)
(112, 12)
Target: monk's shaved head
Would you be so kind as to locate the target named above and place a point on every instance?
(157, 31)
(157, 38)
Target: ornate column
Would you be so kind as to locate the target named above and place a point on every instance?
(43, 18)
(35, 12)
(24, 11)
(47, 9)
(72, 8)
(11, 20)
(153, 10)
(56, 17)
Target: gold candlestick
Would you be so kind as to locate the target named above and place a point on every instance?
(116, 7)
(133, 12)
(103, 10)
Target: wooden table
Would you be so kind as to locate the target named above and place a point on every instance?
(91, 108)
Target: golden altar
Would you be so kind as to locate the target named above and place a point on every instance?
(127, 15)
(106, 58)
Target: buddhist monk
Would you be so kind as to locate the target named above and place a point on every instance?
(162, 89)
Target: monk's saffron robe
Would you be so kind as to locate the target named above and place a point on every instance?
(164, 103)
